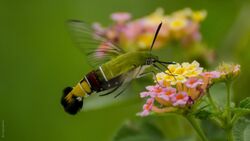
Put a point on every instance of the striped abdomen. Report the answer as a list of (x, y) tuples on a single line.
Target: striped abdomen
[(72, 99)]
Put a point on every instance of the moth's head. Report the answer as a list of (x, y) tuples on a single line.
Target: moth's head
[(71, 103), (151, 59)]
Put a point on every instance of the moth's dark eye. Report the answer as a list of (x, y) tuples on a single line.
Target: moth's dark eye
[(73, 104), (150, 61)]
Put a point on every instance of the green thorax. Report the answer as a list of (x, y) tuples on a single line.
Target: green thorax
[(124, 63)]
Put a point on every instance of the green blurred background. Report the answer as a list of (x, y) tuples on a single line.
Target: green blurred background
[(38, 59)]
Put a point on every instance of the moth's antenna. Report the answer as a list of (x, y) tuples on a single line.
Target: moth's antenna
[(156, 33)]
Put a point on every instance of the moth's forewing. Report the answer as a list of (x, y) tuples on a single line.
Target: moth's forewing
[(88, 41)]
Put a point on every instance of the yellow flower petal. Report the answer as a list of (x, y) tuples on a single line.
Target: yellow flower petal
[(172, 68), (177, 23), (145, 40), (199, 16), (160, 76), (156, 17), (180, 71)]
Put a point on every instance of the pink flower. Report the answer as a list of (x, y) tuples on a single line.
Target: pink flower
[(155, 90), (236, 68), (147, 107), (133, 29), (193, 82), (120, 17), (101, 50), (180, 99), (168, 92), (211, 74), (99, 30), (144, 94)]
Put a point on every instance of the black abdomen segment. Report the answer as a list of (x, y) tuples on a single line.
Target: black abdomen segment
[(98, 84), (93, 81)]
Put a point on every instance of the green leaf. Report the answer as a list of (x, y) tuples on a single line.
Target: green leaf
[(203, 114), (146, 130), (213, 132), (241, 130), (245, 103), (241, 111), (138, 138), (244, 107), (139, 131)]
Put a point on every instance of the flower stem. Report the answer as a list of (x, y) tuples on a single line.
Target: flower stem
[(229, 132), (216, 120), (228, 108), (197, 127), (212, 101), (228, 111)]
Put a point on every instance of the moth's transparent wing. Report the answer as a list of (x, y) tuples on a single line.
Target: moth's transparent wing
[(130, 76), (97, 48), (126, 94), (121, 82)]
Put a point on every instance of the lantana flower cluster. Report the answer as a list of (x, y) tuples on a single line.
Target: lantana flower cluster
[(228, 71), (179, 87), (137, 34)]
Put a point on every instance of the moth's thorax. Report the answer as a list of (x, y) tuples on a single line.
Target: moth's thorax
[(124, 63)]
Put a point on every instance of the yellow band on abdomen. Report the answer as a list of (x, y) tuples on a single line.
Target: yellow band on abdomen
[(82, 89)]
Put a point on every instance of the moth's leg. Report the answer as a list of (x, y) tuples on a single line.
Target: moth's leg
[(128, 80), (122, 90), (159, 68), (149, 73), (170, 73), (113, 90), (168, 63)]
